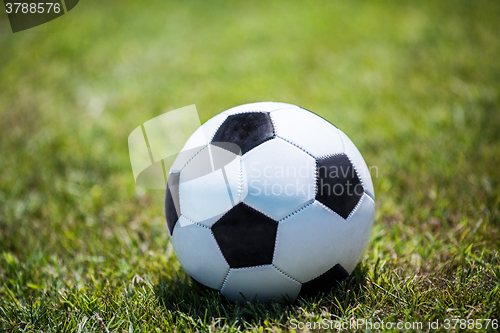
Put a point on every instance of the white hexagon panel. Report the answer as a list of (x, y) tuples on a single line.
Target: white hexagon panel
[(308, 131), (313, 240), (199, 253), (281, 178), (259, 283)]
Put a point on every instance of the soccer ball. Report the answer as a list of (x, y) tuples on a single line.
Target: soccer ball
[(268, 201)]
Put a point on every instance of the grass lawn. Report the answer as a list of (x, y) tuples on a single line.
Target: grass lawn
[(415, 85)]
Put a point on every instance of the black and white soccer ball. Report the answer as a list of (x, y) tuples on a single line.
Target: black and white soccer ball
[(268, 201)]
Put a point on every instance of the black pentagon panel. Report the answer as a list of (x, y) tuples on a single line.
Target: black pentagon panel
[(247, 130), (172, 201), (338, 185), (246, 237), (325, 282)]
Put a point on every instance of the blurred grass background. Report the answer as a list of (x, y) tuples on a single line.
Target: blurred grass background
[(416, 85)]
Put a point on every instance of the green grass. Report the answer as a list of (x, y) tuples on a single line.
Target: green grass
[(416, 85)]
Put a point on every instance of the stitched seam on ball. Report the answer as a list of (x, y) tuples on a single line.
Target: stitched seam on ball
[(266, 140), (222, 254), (223, 148), (316, 178), (275, 128), (216, 244), (243, 203), (179, 213), (193, 222), (222, 216), (185, 165), (217, 128), (232, 152), (288, 276), (356, 207), (243, 112), (225, 279), (246, 204), (353, 166), (357, 173), (329, 209), (293, 144), (283, 219), (240, 268), (342, 134), (240, 179), (180, 174), (250, 206), (297, 211), (252, 267), (324, 157), (276, 242)]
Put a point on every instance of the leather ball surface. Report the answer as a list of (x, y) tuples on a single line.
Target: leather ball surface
[(268, 201)]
